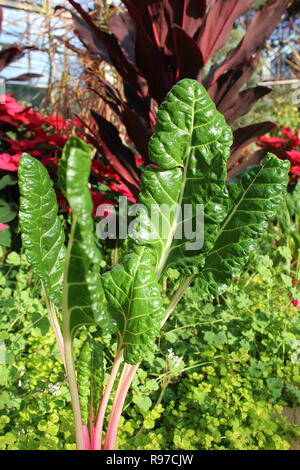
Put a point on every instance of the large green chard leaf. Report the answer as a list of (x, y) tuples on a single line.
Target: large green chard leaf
[(191, 146), (83, 295), (254, 196), (42, 233), (136, 302)]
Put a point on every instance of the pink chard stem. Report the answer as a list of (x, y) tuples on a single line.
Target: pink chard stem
[(97, 433), (124, 384), (86, 437)]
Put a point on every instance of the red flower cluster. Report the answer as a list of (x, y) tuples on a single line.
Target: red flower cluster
[(286, 147), (296, 303), (43, 138)]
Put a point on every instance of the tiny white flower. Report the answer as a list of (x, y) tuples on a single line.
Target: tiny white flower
[(171, 354)]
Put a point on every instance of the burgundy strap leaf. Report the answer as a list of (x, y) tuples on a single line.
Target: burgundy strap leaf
[(125, 68), (150, 58), (243, 102), (118, 155), (139, 129), (87, 36), (189, 57), (260, 28), (141, 105), (187, 14), (123, 27), (217, 25), (154, 18), (120, 169), (150, 19), (24, 77), (137, 132), (225, 91), (149, 48), (192, 16), (9, 55)]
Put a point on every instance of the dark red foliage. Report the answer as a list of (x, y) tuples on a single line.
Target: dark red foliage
[(153, 44)]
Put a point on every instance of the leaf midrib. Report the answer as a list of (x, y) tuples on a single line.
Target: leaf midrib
[(222, 229), (168, 245)]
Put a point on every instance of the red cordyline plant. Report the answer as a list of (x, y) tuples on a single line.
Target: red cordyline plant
[(154, 43)]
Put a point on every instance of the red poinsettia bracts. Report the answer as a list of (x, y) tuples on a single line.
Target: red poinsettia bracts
[(43, 138), (286, 147)]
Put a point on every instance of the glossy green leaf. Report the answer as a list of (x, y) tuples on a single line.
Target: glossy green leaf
[(42, 233), (191, 146), (83, 293), (254, 198), (136, 302), (90, 378)]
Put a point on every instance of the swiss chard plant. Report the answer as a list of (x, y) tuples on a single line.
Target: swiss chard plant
[(188, 154)]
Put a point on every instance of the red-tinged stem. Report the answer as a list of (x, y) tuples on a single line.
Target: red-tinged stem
[(97, 438), (86, 437), (92, 424), (124, 384)]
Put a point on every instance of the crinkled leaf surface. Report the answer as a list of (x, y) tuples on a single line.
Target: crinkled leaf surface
[(191, 146), (136, 302), (189, 150), (83, 295), (42, 233), (254, 198)]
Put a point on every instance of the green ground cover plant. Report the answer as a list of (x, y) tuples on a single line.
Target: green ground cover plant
[(235, 372)]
